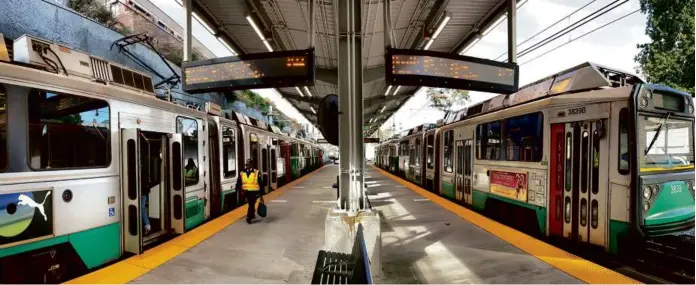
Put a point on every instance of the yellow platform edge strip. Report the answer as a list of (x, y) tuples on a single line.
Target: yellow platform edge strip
[(573, 265), (131, 268)]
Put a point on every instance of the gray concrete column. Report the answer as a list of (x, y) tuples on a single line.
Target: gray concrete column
[(344, 93), (311, 24), (188, 9)]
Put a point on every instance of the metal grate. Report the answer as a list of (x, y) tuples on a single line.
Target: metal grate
[(100, 69)]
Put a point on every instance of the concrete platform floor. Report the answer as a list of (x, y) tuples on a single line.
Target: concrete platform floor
[(421, 243)]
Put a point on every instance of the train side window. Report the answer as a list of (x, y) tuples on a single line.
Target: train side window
[(254, 150), (488, 144), (523, 137), (430, 152), (417, 155), (3, 128), (68, 131), (624, 161), (448, 140), (229, 152), (188, 128)]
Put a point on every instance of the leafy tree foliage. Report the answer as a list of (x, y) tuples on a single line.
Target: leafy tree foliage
[(444, 99), (669, 58), (95, 10)]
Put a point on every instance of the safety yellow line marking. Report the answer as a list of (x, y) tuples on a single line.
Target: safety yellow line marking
[(577, 267), (131, 268)]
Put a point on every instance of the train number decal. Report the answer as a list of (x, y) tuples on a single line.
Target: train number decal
[(577, 111), (674, 189)]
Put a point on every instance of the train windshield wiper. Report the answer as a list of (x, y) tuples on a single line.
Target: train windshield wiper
[(657, 133)]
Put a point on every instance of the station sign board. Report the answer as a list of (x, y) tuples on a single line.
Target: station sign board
[(250, 71), (437, 69)]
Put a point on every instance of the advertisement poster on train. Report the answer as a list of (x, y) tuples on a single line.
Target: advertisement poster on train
[(511, 185), (25, 215)]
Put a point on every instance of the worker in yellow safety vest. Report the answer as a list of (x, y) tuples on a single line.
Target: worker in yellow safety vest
[(251, 184)]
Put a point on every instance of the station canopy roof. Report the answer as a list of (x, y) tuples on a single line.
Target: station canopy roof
[(285, 24)]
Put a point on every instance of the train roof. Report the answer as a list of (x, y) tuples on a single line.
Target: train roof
[(584, 77)]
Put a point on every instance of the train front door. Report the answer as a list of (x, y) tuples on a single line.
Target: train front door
[(459, 171), (176, 183), (130, 190), (265, 166), (579, 155)]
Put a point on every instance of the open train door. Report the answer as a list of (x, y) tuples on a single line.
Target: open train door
[(274, 164), (176, 183), (130, 191)]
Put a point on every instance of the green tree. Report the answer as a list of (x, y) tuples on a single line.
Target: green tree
[(444, 99), (95, 10), (669, 57)]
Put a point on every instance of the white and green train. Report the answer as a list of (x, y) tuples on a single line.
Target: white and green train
[(87, 150)]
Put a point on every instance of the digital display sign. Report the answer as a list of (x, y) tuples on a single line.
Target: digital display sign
[(444, 70), (250, 71)]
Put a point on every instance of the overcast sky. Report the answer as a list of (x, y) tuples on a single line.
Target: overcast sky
[(613, 46)]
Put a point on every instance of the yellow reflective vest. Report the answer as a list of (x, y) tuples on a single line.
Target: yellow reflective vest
[(250, 182)]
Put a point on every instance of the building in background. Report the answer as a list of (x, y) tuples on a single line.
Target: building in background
[(142, 16)]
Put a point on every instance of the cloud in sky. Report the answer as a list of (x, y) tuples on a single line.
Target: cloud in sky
[(613, 46)]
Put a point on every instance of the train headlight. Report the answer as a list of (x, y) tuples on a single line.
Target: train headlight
[(655, 188), (646, 206), (647, 192), (690, 184), (691, 109), (644, 101)]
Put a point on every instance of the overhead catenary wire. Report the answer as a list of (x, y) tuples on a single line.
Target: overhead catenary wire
[(581, 36), (571, 27), (549, 27)]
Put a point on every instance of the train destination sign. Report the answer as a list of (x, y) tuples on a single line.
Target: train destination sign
[(250, 71), (437, 69)]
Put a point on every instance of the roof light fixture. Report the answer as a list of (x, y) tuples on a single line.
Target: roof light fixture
[(382, 111), (299, 91), (313, 111), (203, 23), (386, 93), (259, 33), (308, 93), (445, 19), (471, 44), (396, 90), (227, 46)]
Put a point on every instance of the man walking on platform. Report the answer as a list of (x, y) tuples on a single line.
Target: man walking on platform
[(252, 186)]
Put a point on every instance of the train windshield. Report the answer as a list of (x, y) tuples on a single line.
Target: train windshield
[(669, 147)]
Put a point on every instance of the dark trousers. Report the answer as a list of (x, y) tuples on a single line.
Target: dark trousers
[(251, 197)]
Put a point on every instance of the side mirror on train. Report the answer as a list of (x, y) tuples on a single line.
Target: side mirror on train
[(327, 116)]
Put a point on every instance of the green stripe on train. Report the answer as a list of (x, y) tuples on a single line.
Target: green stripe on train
[(480, 197), (94, 246), (195, 214), (447, 190), (617, 231)]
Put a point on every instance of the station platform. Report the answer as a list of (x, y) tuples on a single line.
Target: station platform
[(425, 239)]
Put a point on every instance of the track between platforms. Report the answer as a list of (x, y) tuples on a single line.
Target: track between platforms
[(573, 265), (131, 268)]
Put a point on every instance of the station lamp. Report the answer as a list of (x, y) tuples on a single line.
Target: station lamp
[(251, 21), (224, 43), (308, 93), (313, 111), (396, 90), (386, 93), (445, 19), (299, 91), (203, 23), (382, 111)]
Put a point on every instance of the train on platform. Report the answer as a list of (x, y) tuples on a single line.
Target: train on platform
[(590, 155), (87, 150)]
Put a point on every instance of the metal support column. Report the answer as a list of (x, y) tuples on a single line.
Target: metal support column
[(388, 39), (312, 29), (512, 31), (188, 9), (358, 158), (351, 144), (344, 89)]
